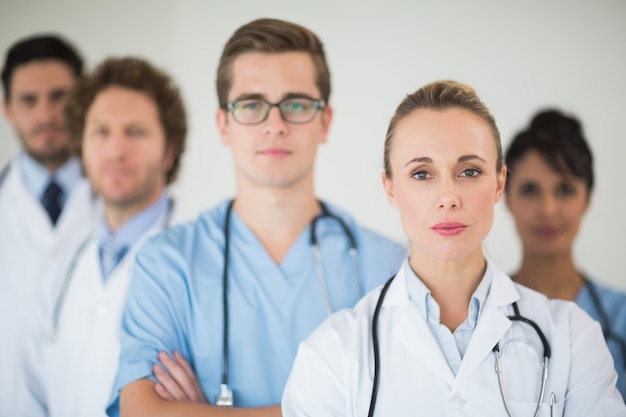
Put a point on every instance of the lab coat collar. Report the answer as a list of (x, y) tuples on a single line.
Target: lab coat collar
[(492, 325), (412, 329)]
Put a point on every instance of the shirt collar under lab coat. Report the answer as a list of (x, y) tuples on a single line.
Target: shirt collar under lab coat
[(428, 306), (502, 291), (36, 176), (136, 226), (490, 328)]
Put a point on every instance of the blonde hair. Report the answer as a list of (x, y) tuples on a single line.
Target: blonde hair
[(442, 95)]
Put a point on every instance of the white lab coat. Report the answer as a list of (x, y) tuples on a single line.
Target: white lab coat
[(73, 372), (333, 371), (27, 240)]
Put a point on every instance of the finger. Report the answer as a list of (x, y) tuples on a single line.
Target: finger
[(183, 363), (190, 383), (162, 392), (169, 383), (187, 383)]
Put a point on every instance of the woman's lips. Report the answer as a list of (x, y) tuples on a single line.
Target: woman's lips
[(449, 228)]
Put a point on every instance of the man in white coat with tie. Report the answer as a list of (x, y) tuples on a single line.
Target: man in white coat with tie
[(128, 121), (45, 203)]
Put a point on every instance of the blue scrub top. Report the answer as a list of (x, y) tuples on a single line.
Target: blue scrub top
[(614, 304), (175, 301)]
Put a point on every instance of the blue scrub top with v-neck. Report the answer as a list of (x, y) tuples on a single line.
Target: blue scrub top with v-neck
[(175, 301)]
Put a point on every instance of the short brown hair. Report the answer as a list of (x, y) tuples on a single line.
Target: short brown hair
[(442, 95), (135, 74), (271, 36), (39, 47)]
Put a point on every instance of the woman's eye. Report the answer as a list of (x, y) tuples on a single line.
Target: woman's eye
[(529, 190), (471, 172), (565, 189), (421, 175)]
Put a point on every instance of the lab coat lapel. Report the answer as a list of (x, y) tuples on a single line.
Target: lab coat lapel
[(36, 225), (412, 329), (491, 327)]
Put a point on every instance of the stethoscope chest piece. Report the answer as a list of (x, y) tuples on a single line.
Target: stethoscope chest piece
[(225, 397)]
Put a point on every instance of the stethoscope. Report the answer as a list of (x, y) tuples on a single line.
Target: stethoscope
[(496, 350), (225, 397), (605, 323), (60, 301), (4, 173)]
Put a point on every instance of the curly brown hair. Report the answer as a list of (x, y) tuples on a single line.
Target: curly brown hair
[(135, 74)]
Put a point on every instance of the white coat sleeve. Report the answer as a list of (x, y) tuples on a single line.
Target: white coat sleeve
[(315, 386), (592, 387)]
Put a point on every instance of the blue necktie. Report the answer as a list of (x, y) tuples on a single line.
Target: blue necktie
[(51, 200), (111, 253)]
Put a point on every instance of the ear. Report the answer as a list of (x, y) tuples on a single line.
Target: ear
[(6, 110), (168, 161), (221, 119), (388, 186), (327, 118), (588, 203), (501, 182)]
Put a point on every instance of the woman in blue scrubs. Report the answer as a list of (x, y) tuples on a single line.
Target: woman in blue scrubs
[(548, 192)]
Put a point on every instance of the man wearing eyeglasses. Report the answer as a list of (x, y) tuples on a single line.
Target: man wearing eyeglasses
[(217, 308)]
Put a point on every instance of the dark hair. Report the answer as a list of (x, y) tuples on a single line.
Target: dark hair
[(560, 141), (135, 74), (39, 48), (271, 36), (441, 95)]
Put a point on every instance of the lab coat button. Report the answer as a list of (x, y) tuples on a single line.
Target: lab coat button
[(102, 309), (457, 402)]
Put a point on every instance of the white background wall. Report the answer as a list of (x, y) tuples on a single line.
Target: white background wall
[(519, 56)]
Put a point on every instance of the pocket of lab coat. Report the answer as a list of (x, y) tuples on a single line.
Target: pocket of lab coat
[(526, 408)]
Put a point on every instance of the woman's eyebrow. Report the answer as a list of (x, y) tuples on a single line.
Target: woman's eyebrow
[(419, 159), (466, 158)]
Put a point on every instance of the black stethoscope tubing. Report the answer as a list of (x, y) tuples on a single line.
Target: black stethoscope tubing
[(4, 173), (516, 317), (225, 396)]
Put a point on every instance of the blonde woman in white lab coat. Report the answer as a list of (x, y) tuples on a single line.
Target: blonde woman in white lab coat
[(450, 318)]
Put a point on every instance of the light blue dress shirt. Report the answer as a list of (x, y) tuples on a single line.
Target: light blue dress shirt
[(175, 301), (136, 226), (614, 304), (453, 345), (36, 176)]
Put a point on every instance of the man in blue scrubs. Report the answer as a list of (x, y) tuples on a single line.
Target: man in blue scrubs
[(273, 87)]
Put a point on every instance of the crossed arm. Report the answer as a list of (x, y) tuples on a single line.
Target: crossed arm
[(178, 393)]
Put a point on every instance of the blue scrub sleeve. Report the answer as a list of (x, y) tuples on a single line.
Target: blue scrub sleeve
[(151, 322)]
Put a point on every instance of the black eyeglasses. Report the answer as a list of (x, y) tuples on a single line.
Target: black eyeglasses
[(252, 111)]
